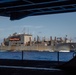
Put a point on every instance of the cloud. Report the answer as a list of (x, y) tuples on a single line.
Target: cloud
[(22, 26), (1, 29), (4, 29), (32, 26)]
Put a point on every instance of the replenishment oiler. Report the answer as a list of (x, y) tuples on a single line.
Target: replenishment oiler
[(19, 42)]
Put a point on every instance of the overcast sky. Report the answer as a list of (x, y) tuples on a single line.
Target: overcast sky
[(58, 25)]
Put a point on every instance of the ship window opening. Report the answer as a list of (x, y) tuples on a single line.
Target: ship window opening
[(21, 43)]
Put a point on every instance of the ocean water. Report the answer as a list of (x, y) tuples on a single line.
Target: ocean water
[(33, 55)]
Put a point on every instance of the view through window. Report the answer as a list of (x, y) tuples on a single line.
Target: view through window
[(44, 33)]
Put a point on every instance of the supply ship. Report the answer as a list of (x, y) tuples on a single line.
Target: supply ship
[(19, 42)]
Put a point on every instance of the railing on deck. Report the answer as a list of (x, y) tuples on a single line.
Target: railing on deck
[(30, 55)]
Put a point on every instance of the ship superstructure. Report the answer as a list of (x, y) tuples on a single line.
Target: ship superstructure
[(18, 39)]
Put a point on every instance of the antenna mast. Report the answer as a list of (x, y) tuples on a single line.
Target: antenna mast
[(24, 30)]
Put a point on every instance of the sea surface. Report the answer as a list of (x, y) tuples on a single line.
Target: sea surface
[(35, 55)]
